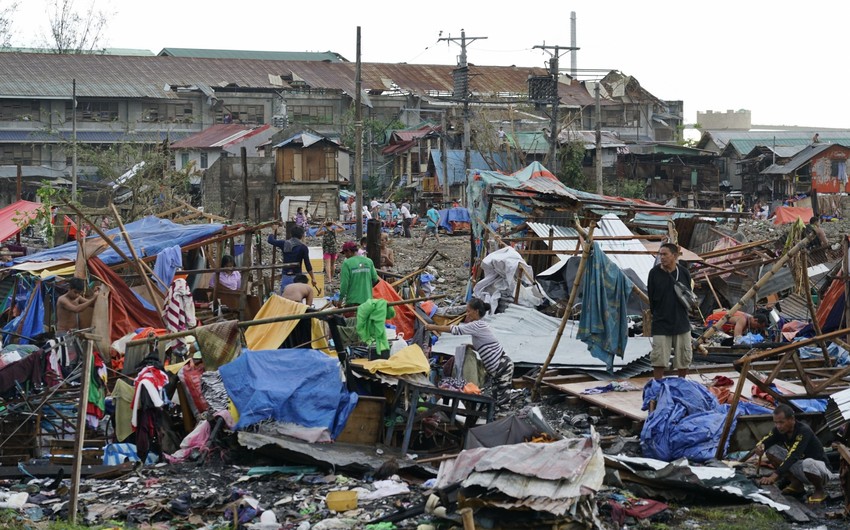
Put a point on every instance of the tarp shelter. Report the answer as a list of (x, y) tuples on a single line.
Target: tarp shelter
[(299, 386), (452, 219), (126, 311), (788, 214), (149, 235), (15, 217)]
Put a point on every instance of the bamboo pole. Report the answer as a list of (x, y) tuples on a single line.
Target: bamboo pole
[(730, 414), (811, 306), (588, 245), (752, 292), (140, 268), (283, 318), (79, 441)]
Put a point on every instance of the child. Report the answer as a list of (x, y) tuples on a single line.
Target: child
[(329, 245), (362, 250)]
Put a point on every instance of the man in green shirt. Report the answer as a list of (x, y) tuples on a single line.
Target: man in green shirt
[(356, 278)]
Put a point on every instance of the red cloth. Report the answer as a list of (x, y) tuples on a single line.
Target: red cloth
[(403, 320), (126, 312)]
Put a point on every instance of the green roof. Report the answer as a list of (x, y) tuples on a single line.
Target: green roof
[(328, 56), (746, 146)]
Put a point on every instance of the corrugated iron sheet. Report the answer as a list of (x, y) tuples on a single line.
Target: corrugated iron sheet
[(609, 225), (50, 75), (213, 136), (527, 336)]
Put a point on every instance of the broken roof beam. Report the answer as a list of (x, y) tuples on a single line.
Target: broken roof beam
[(736, 248), (754, 289)]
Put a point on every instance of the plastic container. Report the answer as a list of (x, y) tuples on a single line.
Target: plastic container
[(341, 501)]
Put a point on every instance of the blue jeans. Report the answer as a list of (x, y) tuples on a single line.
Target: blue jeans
[(286, 280)]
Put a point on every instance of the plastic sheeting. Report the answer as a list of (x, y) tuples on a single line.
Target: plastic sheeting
[(150, 236), (789, 214), (16, 216), (687, 420), (299, 386), (500, 275), (450, 216)]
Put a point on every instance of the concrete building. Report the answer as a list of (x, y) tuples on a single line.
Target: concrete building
[(739, 120)]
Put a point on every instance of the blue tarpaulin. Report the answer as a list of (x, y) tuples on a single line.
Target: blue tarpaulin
[(149, 236), (30, 323), (603, 324), (298, 385), (456, 215), (687, 420)]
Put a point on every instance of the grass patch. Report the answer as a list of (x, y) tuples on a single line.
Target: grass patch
[(749, 516)]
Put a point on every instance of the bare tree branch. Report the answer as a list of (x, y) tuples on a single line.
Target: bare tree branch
[(7, 11), (72, 31)]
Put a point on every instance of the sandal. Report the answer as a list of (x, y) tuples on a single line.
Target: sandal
[(791, 490), (815, 500)]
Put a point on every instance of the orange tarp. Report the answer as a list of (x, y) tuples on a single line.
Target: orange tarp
[(403, 320), (15, 217), (789, 214)]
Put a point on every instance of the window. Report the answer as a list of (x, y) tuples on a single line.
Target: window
[(93, 110), (249, 114), (331, 170), (311, 114), (204, 160), (171, 112), (26, 155), (184, 159), (839, 169), (20, 109)]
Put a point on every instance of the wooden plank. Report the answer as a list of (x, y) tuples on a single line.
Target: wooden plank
[(629, 403)]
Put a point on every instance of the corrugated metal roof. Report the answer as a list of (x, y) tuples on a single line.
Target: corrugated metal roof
[(609, 139), (252, 54), (218, 136), (102, 51), (799, 160), (609, 225), (745, 141), (49, 76), (527, 336)]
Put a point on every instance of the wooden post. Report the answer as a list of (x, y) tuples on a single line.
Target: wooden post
[(730, 414), (588, 245), (845, 272), (812, 311), (243, 153), (752, 292), (274, 258), (79, 441), (140, 268)]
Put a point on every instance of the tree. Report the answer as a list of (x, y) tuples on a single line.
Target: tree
[(571, 156), (72, 31), (7, 11)]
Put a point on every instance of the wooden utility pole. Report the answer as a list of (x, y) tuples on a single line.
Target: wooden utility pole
[(461, 85), (358, 146), (444, 154), (74, 140), (554, 100), (19, 190), (243, 152), (598, 159)]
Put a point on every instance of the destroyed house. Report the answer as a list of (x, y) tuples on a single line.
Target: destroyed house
[(820, 167)]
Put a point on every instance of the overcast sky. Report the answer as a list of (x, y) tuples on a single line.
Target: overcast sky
[(783, 60)]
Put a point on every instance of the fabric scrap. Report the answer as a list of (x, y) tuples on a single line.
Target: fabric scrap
[(219, 343)]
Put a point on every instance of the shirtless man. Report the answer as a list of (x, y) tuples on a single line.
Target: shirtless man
[(71, 304), (299, 290)]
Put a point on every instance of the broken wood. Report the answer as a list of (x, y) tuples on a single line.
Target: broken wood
[(79, 440), (752, 292), (730, 414), (155, 295)]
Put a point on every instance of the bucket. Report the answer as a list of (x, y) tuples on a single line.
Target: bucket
[(341, 501)]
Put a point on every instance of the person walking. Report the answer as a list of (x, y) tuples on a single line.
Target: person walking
[(432, 226), (671, 329), (330, 247), (406, 218)]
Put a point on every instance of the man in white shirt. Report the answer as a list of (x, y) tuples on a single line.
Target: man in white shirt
[(406, 218)]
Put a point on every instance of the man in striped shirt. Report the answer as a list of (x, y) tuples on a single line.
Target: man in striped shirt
[(498, 365)]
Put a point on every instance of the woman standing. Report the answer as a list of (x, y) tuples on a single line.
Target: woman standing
[(329, 245), (499, 366)]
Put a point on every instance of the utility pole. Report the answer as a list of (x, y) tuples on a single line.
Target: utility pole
[(74, 140), (598, 120), (358, 149), (555, 100), (461, 84)]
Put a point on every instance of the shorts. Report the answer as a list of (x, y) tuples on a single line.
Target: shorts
[(801, 468), (431, 230), (679, 344), (328, 256)]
